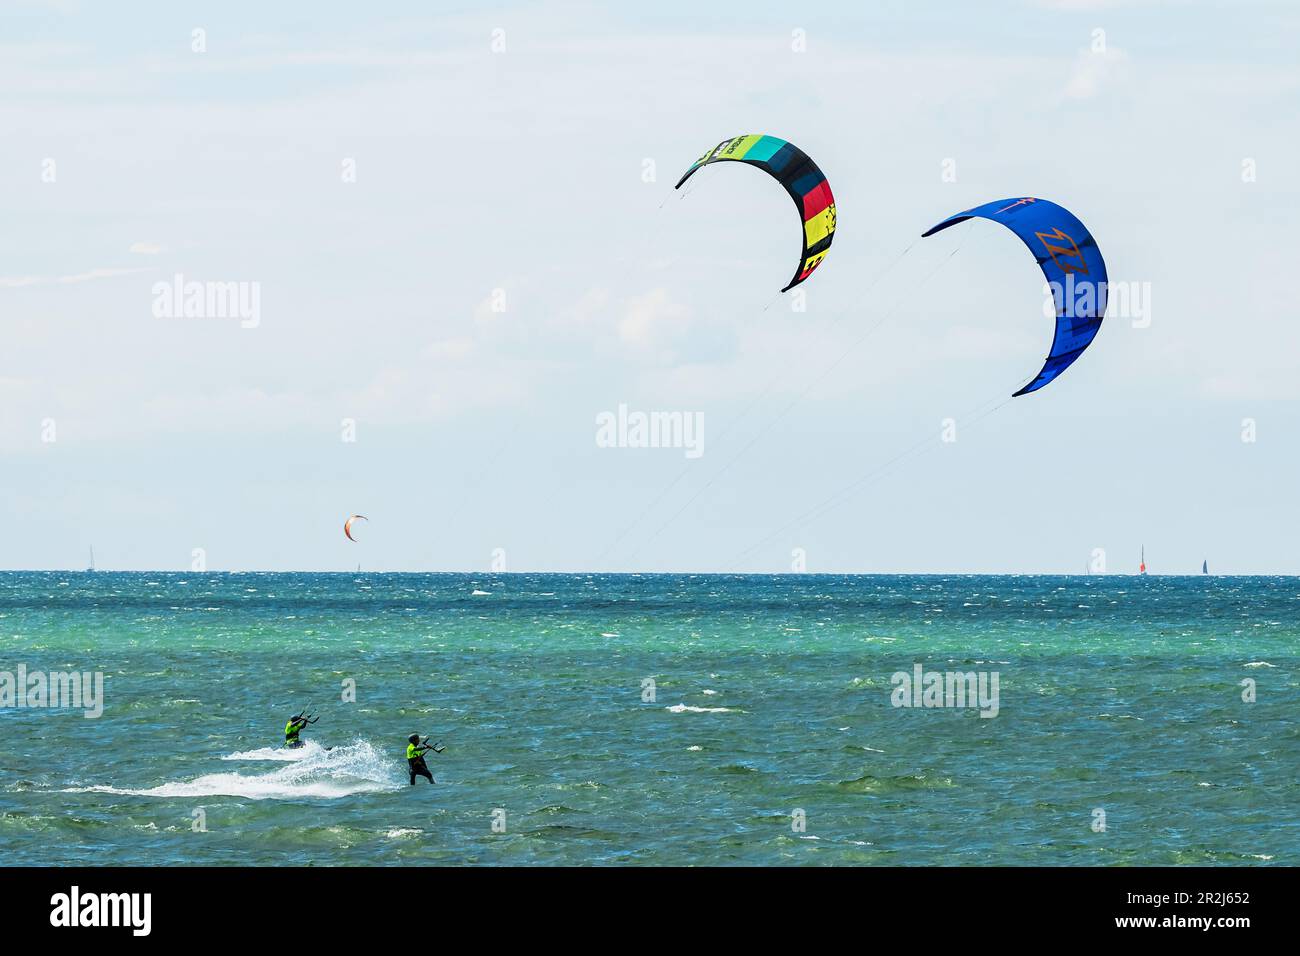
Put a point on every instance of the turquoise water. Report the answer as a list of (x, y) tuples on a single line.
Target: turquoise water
[(770, 695)]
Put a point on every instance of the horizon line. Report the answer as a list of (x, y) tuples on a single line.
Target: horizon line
[(767, 574)]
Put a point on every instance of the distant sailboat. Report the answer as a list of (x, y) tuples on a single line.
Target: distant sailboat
[(92, 558), (1205, 567), (1142, 567)]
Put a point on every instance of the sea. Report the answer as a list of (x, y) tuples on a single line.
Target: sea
[(668, 720)]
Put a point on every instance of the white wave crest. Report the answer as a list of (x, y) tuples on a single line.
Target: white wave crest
[(688, 709)]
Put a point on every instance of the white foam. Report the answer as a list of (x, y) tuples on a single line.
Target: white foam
[(688, 709), (341, 772), (284, 754)]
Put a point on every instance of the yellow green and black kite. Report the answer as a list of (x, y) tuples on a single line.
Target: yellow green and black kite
[(794, 170)]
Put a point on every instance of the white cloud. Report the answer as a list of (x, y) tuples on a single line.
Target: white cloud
[(98, 274), (654, 327), (1265, 385), (1077, 5), (15, 282), (1095, 71), (454, 349)]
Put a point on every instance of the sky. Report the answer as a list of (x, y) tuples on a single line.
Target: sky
[(458, 227)]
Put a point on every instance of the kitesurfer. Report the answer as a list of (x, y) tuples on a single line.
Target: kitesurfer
[(295, 727), (415, 751)]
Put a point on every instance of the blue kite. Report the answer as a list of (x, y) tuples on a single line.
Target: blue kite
[(1068, 255)]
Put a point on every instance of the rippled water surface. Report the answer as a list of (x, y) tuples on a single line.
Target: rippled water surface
[(655, 719)]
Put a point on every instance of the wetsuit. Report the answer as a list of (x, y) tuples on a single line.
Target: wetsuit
[(291, 731), (415, 763)]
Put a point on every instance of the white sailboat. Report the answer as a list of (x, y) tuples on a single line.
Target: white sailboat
[(92, 559)]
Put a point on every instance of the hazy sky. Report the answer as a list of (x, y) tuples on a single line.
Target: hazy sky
[(462, 230)]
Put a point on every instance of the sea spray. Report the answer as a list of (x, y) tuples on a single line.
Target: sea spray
[(325, 774), (280, 754)]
